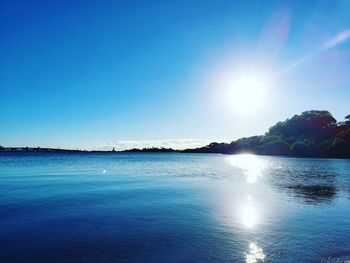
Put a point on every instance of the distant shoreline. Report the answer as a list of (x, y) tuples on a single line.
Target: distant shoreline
[(313, 134), (58, 150), (19, 150)]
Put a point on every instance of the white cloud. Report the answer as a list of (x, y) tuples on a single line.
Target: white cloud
[(178, 144)]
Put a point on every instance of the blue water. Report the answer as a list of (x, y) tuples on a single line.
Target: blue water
[(172, 208)]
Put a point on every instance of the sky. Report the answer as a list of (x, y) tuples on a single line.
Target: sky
[(124, 74)]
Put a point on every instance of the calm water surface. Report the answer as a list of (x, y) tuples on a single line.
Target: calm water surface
[(173, 208)]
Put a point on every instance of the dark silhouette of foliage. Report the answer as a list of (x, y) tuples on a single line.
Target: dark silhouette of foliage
[(309, 124), (311, 134), (275, 147), (145, 150), (347, 119)]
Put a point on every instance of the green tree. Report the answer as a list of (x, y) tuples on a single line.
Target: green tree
[(313, 125), (303, 148), (277, 147)]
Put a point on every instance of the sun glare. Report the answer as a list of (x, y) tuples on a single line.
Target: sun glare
[(255, 254), (247, 92), (249, 216), (251, 165)]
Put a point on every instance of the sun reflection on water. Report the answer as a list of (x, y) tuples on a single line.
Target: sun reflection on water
[(252, 167), (250, 164), (254, 254), (248, 216)]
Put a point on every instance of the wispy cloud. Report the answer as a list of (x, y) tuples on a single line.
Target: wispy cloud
[(178, 144), (341, 37), (338, 39)]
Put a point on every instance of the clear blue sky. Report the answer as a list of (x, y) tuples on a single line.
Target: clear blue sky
[(94, 74)]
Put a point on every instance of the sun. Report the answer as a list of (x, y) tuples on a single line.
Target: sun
[(247, 92)]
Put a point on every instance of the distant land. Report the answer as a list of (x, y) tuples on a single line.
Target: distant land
[(313, 133), (310, 134)]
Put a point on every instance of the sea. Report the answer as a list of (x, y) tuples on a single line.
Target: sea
[(173, 207)]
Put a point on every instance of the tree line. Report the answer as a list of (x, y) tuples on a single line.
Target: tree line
[(311, 134)]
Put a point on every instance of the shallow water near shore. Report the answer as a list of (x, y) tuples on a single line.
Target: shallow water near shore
[(172, 208)]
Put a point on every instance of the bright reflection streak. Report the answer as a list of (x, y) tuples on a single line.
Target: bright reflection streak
[(255, 253), (248, 214), (249, 163)]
